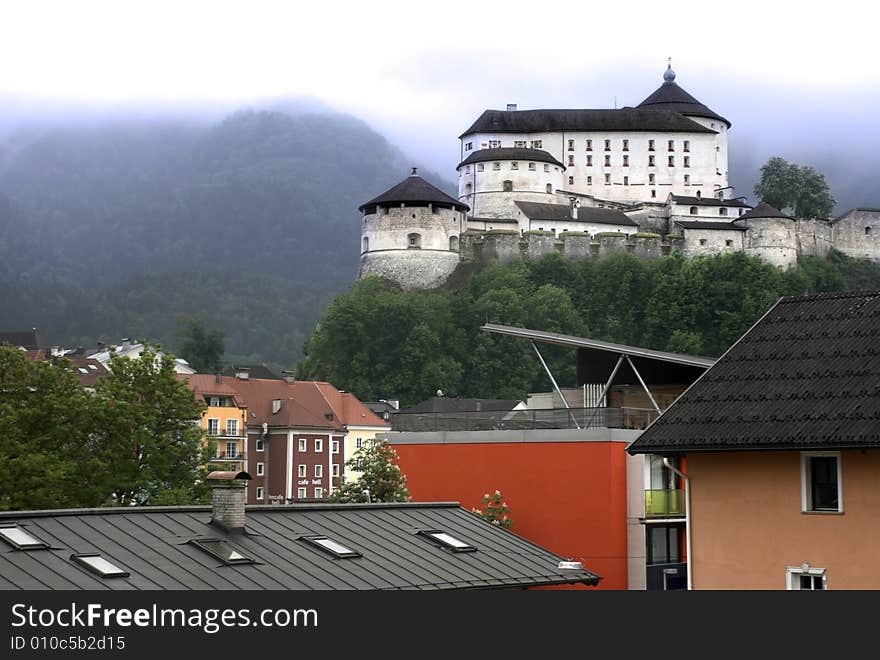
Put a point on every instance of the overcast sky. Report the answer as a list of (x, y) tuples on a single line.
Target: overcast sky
[(421, 72)]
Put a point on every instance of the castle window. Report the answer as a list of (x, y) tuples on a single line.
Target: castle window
[(494, 144), (607, 161), (687, 180), (571, 180), (651, 179), (867, 229), (740, 212), (702, 241), (687, 145), (549, 188), (507, 186), (571, 161), (589, 145), (468, 146), (722, 211), (626, 180), (694, 210), (607, 179), (453, 243), (519, 144), (496, 166), (514, 165), (672, 161), (414, 242), (728, 243), (480, 167), (571, 145), (651, 162), (546, 167), (653, 193), (589, 161), (699, 192), (607, 145), (650, 145), (589, 181), (625, 160), (467, 189), (537, 144), (626, 145), (467, 169), (532, 167), (687, 161), (671, 145), (366, 245)]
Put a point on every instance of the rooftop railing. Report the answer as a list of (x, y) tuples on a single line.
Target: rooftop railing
[(555, 418)]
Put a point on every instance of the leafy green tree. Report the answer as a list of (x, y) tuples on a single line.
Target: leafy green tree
[(201, 347), (800, 188), (46, 453), (149, 440), (380, 476)]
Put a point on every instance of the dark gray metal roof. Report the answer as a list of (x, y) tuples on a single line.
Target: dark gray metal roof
[(151, 544), (764, 210), (806, 376), (562, 212), (414, 189), (595, 344), (25, 338), (670, 97), (709, 224), (708, 201), (508, 153), (442, 404), (623, 119)]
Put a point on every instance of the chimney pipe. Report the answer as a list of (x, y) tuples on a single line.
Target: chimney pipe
[(228, 497), (288, 377), (218, 378), (126, 343)]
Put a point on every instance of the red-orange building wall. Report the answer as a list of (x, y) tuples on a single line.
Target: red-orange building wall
[(569, 497)]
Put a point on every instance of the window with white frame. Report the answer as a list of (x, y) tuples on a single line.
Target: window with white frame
[(301, 493), (214, 401), (607, 145), (537, 144), (651, 179), (259, 492), (589, 181), (589, 160), (806, 578), (334, 447), (213, 427), (722, 210), (546, 167), (259, 446), (626, 145), (260, 469), (480, 167), (570, 161), (319, 493), (607, 179), (468, 146), (589, 145), (607, 161), (319, 471), (821, 487), (571, 145), (336, 469), (494, 144), (231, 427), (626, 161), (519, 144), (301, 470), (302, 444), (319, 445), (358, 443)]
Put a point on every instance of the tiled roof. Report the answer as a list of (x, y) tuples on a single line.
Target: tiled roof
[(763, 210), (506, 153), (806, 376), (562, 212), (623, 119), (152, 545), (414, 189)]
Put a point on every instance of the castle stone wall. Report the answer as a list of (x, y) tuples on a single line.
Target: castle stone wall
[(576, 247), (857, 234), (706, 242), (813, 238), (411, 269), (774, 240)]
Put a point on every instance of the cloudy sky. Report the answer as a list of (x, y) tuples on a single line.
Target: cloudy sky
[(799, 79)]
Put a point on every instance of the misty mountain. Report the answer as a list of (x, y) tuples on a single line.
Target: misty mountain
[(114, 228)]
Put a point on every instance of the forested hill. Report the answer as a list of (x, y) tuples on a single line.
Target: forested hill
[(114, 229)]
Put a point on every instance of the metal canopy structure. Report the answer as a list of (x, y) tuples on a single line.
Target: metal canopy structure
[(596, 357)]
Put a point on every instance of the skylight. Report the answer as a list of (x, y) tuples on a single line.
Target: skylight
[(447, 540), (97, 564), (20, 539), (83, 371), (331, 546), (222, 550), (93, 367)]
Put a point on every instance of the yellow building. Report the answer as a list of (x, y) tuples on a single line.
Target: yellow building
[(224, 420)]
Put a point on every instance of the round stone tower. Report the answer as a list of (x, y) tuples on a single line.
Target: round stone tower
[(771, 235), (410, 234)]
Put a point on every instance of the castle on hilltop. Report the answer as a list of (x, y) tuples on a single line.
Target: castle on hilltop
[(646, 179)]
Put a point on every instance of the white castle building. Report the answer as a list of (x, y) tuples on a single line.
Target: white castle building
[(654, 177)]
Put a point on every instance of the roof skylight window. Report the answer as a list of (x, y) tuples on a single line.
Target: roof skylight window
[(20, 539), (83, 371), (331, 546), (223, 551), (447, 541), (98, 565)]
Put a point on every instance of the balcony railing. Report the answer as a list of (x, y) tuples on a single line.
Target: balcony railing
[(223, 434), (664, 503), (227, 456), (555, 418)]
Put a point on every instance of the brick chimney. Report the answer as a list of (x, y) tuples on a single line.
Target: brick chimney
[(228, 497), (218, 378)]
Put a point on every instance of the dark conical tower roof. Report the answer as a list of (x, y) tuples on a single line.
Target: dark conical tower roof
[(764, 210), (669, 96), (414, 189)]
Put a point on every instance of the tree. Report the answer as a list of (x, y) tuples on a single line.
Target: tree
[(202, 348), (149, 440), (380, 475), (46, 458), (496, 510), (802, 189)]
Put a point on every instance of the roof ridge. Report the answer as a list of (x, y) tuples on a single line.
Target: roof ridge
[(831, 295)]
